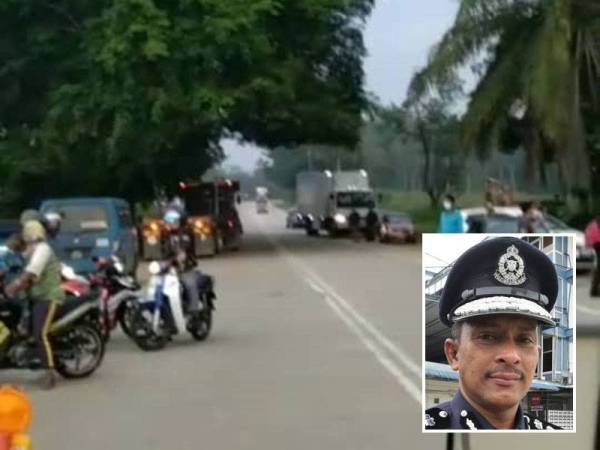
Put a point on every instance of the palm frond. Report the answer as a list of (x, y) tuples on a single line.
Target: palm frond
[(475, 31)]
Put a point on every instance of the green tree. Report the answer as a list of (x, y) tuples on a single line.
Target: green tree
[(538, 69), (119, 96)]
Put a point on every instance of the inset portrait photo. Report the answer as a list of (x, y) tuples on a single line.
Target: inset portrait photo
[(499, 332)]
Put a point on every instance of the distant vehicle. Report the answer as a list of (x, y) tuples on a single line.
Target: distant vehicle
[(294, 219), (94, 227), (326, 199), (262, 206), (506, 220), (396, 227), (262, 200)]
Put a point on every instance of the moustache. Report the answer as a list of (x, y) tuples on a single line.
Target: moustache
[(505, 370)]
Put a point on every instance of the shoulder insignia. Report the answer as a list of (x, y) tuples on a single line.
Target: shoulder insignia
[(437, 419), (533, 423)]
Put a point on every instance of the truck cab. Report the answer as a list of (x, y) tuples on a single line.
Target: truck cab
[(326, 199)]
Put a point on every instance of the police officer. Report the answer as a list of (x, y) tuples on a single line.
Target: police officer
[(496, 297)]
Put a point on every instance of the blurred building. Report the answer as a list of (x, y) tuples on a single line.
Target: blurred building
[(551, 394)]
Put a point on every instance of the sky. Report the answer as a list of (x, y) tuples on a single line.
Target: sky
[(440, 250), (398, 37)]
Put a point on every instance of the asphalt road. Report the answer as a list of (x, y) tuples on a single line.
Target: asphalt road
[(316, 344)]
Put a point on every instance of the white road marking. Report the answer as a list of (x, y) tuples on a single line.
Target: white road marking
[(587, 310), (409, 386), (373, 339)]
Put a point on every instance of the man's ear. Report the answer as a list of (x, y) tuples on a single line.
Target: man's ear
[(451, 351)]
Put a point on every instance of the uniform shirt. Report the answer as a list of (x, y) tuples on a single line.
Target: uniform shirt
[(44, 264), (458, 414)]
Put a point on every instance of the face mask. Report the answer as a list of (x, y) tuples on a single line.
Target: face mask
[(447, 205)]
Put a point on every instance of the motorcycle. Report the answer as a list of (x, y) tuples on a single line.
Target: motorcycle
[(75, 340), (164, 310), (118, 293)]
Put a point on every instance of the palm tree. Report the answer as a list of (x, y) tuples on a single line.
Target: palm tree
[(538, 73)]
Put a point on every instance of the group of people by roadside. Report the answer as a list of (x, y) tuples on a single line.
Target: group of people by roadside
[(371, 228), (452, 221)]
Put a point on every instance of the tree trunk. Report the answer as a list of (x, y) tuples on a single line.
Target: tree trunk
[(533, 150)]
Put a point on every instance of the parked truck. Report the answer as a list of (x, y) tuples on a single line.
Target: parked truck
[(326, 199)]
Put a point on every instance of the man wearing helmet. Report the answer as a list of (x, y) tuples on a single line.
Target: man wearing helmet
[(180, 249), (41, 278), (52, 222)]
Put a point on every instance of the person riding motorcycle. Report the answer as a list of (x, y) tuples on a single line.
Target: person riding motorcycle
[(52, 223), (180, 250), (41, 279)]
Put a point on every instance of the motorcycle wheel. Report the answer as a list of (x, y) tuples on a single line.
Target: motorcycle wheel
[(201, 326), (75, 344), (143, 334), (125, 316)]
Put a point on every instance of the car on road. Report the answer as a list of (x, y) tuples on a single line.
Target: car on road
[(396, 227), (506, 220)]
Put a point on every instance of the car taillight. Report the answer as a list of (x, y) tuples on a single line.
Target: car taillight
[(202, 227), (153, 229)]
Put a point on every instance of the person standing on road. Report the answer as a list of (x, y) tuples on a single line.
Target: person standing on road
[(42, 279), (592, 240), (496, 297), (532, 218), (451, 220), (354, 225), (372, 225)]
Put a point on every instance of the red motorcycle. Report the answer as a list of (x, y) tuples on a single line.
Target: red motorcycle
[(117, 291)]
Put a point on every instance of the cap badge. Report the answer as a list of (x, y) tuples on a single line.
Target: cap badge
[(511, 268)]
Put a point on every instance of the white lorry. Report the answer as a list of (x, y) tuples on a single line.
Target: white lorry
[(262, 200), (326, 199)]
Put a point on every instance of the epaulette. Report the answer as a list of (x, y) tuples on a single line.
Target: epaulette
[(533, 423), (437, 419)]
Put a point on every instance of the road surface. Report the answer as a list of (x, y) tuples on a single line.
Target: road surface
[(316, 345)]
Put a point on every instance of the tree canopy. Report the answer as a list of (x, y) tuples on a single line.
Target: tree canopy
[(114, 97)]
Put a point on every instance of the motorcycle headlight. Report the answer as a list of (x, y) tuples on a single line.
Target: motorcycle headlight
[(154, 268), (340, 218)]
